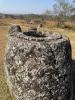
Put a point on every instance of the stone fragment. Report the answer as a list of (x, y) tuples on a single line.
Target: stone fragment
[(14, 28)]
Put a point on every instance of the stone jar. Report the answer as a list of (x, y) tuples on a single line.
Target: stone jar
[(38, 67)]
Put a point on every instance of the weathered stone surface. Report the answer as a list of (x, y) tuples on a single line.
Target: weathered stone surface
[(14, 28), (39, 68)]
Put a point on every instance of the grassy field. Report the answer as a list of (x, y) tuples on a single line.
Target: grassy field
[(4, 23)]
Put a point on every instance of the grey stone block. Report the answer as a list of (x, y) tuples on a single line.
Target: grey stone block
[(39, 68)]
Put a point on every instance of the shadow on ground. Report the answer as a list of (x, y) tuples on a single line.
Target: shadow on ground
[(73, 73)]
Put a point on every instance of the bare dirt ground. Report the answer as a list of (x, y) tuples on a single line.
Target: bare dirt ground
[(4, 23)]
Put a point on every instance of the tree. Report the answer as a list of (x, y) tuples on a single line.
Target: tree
[(47, 12), (73, 9), (62, 9)]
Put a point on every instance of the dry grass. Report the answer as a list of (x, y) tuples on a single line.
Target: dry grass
[(4, 92), (4, 23)]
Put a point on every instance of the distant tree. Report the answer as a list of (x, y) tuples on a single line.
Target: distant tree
[(73, 0), (62, 9), (73, 9), (47, 12)]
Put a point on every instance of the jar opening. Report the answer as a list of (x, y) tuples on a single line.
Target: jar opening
[(34, 34)]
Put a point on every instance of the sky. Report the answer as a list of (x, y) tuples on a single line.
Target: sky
[(25, 6)]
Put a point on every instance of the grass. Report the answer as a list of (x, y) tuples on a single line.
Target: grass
[(4, 23), (4, 91)]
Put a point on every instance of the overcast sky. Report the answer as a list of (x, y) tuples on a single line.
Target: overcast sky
[(25, 6)]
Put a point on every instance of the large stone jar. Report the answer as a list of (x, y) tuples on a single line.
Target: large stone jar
[(38, 67)]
